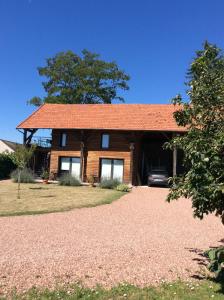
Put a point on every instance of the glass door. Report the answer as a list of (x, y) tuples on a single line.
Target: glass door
[(75, 167), (106, 168)]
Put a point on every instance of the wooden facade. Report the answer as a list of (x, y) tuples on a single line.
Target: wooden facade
[(128, 146), (86, 145)]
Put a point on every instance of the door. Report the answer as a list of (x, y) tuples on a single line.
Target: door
[(112, 169), (70, 165), (106, 168), (75, 167), (118, 168)]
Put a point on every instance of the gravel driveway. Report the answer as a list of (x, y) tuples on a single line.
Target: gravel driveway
[(139, 239)]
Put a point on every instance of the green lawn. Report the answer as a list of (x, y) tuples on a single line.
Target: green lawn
[(176, 291), (37, 198)]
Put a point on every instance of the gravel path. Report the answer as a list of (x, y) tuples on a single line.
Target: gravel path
[(139, 239)]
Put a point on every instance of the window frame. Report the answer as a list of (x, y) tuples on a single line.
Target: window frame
[(60, 172), (112, 167), (101, 141)]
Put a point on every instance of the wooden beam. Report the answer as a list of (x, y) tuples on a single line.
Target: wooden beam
[(174, 161), (82, 145), (174, 158), (83, 154), (24, 137), (132, 147), (27, 138)]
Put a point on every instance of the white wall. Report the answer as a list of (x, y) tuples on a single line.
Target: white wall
[(4, 147)]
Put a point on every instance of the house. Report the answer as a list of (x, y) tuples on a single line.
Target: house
[(121, 141), (7, 146)]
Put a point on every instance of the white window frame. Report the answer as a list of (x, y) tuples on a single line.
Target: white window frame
[(69, 160), (112, 160)]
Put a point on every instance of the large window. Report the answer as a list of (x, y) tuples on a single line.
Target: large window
[(70, 165), (105, 141), (112, 169), (63, 139)]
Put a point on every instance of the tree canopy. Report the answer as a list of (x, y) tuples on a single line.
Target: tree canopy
[(203, 145), (74, 79)]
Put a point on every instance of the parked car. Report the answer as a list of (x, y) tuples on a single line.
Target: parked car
[(158, 177)]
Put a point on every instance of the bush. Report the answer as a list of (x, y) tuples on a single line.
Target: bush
[(69, 180), (123, 188), (6, 165), (216, 265), (45, 175), (109, 183), (25, 177)]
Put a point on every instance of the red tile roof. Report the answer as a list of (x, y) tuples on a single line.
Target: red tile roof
[(154, 117)]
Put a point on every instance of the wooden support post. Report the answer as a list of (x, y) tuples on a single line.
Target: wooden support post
[(82, 145), (27, 139), (174, 158), (174, 161), (24, 137), (132, 147)]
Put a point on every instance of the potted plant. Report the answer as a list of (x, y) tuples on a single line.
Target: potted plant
[(45, 176)]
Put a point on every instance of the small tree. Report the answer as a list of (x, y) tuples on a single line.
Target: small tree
[(203, 144), (21, 157)]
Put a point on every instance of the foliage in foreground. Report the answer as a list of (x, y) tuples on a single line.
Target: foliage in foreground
[(203, 144), (178, 290), (26, 176), (69, 180), (73, 79), (109, 183), (6, 164), (216, 265)]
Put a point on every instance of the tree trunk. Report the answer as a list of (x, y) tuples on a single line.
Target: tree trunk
[(19, 179)]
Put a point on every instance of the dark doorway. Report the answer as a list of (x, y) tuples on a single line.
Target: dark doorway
[(154, 156)]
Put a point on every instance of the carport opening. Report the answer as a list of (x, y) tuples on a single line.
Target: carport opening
[(154, 156)]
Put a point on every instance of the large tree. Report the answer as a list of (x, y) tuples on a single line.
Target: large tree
[(81, 79), (203, 145)]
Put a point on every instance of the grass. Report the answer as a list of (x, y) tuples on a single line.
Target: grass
[(179, 290), (39, 198)]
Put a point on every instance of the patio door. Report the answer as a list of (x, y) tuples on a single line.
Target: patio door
[(70, 165), (75, 167), (112, 169)]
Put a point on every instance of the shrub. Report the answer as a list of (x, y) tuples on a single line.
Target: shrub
[(45, 175), (25, 177), (123, 188), (6, 165), (216, 265), (69, 180), (109, 183)]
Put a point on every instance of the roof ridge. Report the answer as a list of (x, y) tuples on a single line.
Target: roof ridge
[(107, 104)]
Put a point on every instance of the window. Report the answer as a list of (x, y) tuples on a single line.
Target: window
[(63, 139), (112, 169), (105, 140), (70, 165)]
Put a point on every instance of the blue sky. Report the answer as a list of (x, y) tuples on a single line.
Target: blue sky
[(152, 40)]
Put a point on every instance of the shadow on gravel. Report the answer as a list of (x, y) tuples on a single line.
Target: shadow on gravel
[(203, 261)]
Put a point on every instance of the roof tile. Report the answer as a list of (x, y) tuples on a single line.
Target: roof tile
[(154, 117)]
